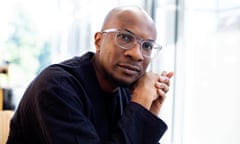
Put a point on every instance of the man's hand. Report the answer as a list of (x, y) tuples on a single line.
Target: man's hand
[(162, 86), (150, 90)]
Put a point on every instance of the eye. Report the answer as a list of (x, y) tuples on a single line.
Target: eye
[(147, 45), (125, 37)]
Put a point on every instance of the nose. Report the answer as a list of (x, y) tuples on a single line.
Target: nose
[(135, 53)]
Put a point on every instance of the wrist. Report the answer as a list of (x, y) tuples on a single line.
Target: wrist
[(145, 101)]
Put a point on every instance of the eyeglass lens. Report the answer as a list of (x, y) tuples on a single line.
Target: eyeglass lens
[(127, 40)]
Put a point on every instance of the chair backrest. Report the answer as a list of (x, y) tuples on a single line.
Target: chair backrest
[(5, 117)]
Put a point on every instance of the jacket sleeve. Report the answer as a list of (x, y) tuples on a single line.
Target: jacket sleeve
[(140, 126)]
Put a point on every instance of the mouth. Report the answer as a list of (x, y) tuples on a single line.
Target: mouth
[(129, 69)]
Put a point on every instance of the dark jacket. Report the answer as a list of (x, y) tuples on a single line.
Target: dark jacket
[(65, 105)]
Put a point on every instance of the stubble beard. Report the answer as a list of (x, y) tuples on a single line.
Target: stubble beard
[(116, 81)]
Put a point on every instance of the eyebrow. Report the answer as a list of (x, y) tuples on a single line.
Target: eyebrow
[(151, 40)]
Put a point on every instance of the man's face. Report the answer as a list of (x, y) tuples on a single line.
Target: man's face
[(124, 66)]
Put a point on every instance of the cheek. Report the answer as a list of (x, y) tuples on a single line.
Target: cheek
[(106, 53), (110, 53), (108, 57)]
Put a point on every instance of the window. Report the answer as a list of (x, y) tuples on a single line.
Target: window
[(35, 34), (207, 67)]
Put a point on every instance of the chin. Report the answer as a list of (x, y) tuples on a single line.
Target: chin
[(124, 83), (122, 80)]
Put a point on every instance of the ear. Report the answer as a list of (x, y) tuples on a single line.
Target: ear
[(98, 41)]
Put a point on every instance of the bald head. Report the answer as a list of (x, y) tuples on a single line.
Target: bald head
[(132, 18)]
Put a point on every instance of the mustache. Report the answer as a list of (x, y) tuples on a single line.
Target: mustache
[(131, 65)]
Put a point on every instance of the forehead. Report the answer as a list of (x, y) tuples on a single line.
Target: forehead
[(135, 21)]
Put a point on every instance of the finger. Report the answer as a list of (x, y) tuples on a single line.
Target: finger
[(162, 86), (164, 79), (164, 73), (165, 88), (170, 75), (161, 99), (161, 94)]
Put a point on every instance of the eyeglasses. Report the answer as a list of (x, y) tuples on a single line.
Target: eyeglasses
[(127, 40)]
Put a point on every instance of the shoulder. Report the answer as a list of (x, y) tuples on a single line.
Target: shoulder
[(67, 69)]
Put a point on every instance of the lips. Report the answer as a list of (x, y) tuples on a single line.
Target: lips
[(130, 68)]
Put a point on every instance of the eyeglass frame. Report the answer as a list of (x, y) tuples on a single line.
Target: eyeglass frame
[(138, 40)]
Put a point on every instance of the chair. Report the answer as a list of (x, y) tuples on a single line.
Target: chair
[(5, 117)]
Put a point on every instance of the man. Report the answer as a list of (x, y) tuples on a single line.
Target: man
[(105, 97)]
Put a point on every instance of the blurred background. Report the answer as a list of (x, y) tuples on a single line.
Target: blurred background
[(201, 42)]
